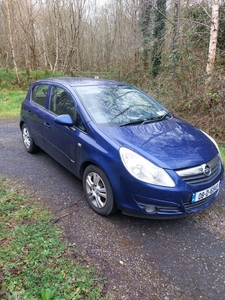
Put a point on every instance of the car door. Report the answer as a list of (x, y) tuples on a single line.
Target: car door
[(62, 142), (36, 112)]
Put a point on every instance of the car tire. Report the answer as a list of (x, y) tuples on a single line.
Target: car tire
[(98, 191), (28, 141)]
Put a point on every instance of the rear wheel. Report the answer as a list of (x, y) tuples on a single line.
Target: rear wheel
[(98, 191), (28, 141)]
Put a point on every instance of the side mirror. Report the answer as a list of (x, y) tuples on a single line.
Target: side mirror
[(65, 120)]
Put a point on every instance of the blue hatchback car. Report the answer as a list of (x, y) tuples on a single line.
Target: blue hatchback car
[(131, 153)]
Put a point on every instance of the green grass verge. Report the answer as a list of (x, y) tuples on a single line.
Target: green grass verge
[(10, 103), (12, 94), (8, 79), (35, 263), (222, 151)]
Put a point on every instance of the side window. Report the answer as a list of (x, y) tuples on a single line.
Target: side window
[(39, 94), (61, 103)]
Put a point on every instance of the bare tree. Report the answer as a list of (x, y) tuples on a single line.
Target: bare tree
[(213, 37), (176, 23), (120, 34), (26, 19), (10, 37)]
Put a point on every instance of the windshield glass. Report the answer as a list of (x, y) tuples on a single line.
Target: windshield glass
[(119, 105)]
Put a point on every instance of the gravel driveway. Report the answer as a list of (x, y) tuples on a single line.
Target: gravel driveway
[(142, 259)]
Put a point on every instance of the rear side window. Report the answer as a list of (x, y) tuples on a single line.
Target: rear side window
[(39, 94)]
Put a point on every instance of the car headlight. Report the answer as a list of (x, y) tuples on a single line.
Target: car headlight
[(144, 170)]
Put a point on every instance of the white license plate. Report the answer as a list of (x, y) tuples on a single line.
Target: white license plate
[(205, 193)]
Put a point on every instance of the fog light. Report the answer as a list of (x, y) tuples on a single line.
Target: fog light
[(150, 209)]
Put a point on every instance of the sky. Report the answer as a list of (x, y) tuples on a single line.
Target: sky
[(100, 2)]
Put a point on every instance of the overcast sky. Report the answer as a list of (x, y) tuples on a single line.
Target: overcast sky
[(100, 2)]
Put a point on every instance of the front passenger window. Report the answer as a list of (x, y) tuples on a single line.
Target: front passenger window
[(61, 103)]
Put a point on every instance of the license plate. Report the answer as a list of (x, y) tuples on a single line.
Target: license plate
[(205, 193)]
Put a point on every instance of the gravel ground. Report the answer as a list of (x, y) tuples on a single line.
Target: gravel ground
[(142, 259)]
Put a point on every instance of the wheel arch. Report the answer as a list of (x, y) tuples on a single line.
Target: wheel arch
[(111, 204), (21, 124), (85, 164)]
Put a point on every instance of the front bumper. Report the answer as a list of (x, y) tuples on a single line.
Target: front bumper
[(175, 204)]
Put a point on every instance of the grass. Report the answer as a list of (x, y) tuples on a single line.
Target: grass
[(11, 103), (35, 263), (222, 151), (9, 81), (12, 94)]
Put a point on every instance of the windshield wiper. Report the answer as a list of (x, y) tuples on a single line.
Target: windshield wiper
[(157, 119), (136, 122), (167, 114), (133, 106), (146, 121)]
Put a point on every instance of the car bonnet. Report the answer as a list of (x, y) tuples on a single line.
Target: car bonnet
[(171, 144)]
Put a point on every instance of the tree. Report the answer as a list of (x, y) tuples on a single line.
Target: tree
[(213, 37), (152, 24), (176, 23), (158, 35), (221, 35), (146, 24), (26, 18), (10, 37)]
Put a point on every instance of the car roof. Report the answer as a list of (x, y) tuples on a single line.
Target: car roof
[(79, 81)]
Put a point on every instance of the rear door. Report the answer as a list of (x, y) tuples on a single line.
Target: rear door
[(36, 112)]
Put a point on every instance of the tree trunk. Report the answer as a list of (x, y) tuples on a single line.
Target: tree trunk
[(11, 42), (146, 23), (213, 37), (176, 23), (158, 35)]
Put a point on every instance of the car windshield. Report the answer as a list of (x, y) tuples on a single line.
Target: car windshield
[(119, 105)]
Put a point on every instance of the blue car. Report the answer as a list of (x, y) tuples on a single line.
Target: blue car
[(130, 152)]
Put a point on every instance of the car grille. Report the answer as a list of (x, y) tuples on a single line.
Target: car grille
[(197, 175), (190, 206), (168, 209)]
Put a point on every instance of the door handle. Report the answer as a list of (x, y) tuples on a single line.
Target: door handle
[(29, 112), (47, 125)]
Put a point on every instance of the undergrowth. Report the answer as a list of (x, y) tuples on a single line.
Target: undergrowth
[(8, 79), (35, 262)]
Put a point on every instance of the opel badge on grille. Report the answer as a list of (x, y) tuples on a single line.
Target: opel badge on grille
[(206, 170)]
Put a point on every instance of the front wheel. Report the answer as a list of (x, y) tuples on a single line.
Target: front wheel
[(98, 191), (28, 141)]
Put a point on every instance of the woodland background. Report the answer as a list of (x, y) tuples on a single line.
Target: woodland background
[(160, 46)]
